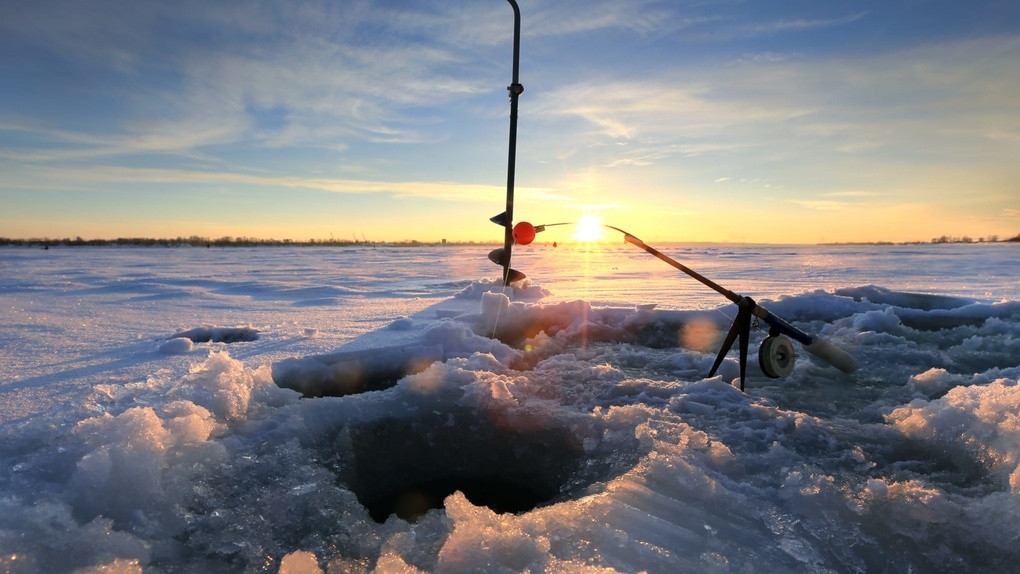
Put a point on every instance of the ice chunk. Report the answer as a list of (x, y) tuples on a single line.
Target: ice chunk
[(177, 346), (353, 372), (300, 562)]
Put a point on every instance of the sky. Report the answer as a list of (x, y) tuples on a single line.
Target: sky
[(738, 121)]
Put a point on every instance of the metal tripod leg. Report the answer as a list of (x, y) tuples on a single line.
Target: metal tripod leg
[(741, 329)]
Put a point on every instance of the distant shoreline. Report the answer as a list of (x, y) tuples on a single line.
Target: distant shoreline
[(253, 242), (936, 241), (226, 242)]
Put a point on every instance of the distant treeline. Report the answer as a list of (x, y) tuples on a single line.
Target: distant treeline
[(936, 241), (196, 241), (965, 239)]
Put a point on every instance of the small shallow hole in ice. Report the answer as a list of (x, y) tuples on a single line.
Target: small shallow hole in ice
[(218, 335), (407, 467)]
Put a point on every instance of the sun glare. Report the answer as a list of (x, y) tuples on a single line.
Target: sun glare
[(589, 228)]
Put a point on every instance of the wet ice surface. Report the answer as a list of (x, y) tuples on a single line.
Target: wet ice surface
[(142, 428)]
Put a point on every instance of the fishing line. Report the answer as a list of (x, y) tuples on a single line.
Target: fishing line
[(499, 311), (776, 352)]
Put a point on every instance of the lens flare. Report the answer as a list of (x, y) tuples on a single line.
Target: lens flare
[(589, 228)]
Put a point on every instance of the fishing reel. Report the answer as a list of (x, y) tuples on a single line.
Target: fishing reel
[(776, 356)]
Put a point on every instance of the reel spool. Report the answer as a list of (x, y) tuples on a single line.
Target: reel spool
[(776, 356)]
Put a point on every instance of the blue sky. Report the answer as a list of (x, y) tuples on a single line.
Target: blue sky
[(757, 121)]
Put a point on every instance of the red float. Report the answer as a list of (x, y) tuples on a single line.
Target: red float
[(524, 233)]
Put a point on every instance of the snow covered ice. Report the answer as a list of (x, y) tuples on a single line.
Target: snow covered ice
[(149, 420)]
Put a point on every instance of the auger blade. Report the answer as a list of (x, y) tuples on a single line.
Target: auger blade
[(514, 276), (498, 256), (502, 219)]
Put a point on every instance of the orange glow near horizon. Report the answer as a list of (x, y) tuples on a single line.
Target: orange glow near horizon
[(589, 228)]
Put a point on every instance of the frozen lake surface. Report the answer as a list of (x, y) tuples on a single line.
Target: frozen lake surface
[(146, 428)]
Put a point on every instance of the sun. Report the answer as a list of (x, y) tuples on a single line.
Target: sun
[(589, 228)]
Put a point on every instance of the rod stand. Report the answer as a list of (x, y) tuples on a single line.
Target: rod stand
[(739, 330)]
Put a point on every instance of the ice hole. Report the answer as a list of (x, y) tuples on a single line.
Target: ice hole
[(407, 467), (218, 335)]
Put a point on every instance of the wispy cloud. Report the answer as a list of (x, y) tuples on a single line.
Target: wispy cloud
[(941, 100), (451, 191), (53, 145), (596, 207), (852, 194), (337, 82), (801, 24), (668, 104), (643, 17), (102, 34), (821, 204)]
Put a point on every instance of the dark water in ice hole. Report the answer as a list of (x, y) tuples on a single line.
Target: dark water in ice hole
[(409, 466)]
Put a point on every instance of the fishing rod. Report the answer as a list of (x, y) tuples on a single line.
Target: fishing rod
[(776, 355)]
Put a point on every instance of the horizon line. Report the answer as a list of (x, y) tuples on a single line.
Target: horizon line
[(242, 241)]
